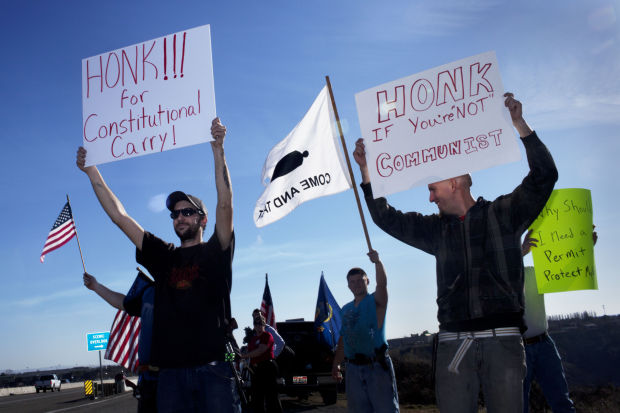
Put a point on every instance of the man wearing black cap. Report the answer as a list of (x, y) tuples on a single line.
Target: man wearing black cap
[(192, 290)]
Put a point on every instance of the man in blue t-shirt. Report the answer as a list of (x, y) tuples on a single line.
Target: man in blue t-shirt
[(370, 384), (138, 303)]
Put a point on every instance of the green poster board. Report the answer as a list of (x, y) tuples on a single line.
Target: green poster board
[(564, 257)]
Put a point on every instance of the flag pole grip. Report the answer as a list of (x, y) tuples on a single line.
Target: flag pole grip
[(346, 155)]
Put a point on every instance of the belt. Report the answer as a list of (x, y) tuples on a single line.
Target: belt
[(468, 338), (535, 339), (493, 332), (361, 359), (147, 367)]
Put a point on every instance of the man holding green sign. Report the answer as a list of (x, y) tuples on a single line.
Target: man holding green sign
[(543, 359)]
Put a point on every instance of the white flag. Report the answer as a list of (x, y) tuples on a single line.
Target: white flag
[(307, 164)]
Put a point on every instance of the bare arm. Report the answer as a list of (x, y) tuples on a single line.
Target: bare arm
[(110, 203), (516, 114), (359, 154), (224, 209), (381, 294), (257, 351), (338, 358), (111, 297)]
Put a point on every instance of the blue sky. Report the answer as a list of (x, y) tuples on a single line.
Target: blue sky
[(560, 58)]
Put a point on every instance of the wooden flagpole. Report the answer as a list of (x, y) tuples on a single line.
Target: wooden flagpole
[(346, 155), (76, 235)]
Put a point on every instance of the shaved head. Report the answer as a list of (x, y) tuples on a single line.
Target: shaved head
[(464, 181), (452, 196)]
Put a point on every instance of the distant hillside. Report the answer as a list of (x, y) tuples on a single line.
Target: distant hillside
[(589, 346)]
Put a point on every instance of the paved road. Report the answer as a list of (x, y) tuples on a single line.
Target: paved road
[(73, 401), (69, 400)]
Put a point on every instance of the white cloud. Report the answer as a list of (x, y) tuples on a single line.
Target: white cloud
[(34, 301), (604, 46), (395, 22), (157, 203), (442, 19), (567, 90), (255, 260), (602, 18), (260, 257)]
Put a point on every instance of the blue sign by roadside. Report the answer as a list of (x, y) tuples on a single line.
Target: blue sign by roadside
[(97, 341)]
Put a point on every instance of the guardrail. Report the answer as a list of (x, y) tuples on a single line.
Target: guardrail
[(10, 391)]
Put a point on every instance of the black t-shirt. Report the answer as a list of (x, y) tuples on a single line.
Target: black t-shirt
[(192, 300)]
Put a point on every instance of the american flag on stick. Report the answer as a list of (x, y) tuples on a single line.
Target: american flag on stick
[(62, 231), (123, 341), (266, 306)]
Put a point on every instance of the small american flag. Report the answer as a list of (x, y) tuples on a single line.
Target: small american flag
[(266, 306), (61, 233), (123, 341)]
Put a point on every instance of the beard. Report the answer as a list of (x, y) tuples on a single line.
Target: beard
[(189, 232)]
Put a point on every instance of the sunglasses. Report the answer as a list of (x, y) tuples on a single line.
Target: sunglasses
[(186, 212)]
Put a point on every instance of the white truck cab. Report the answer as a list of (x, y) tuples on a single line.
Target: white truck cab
[(47, 381)]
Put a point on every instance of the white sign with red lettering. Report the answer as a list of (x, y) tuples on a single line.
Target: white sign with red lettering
[(149, 97), (437, 124)]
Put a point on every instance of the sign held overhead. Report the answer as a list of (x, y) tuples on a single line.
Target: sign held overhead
[(564, 256), (437, 124), (149, 97)]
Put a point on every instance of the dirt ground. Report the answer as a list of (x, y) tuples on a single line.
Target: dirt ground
[(314, 403), (600, 400)]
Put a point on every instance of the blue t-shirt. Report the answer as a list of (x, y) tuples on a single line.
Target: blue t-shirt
[(359, 330)]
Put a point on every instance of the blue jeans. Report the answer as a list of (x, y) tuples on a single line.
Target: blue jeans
[(545, 365), (208, 388), (371, 388), (265, 388), (147, 387), (495, 363)]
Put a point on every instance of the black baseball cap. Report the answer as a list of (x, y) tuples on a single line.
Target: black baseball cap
[(177, 196)]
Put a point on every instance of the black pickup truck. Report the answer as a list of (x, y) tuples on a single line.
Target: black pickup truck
[(309, 368)]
